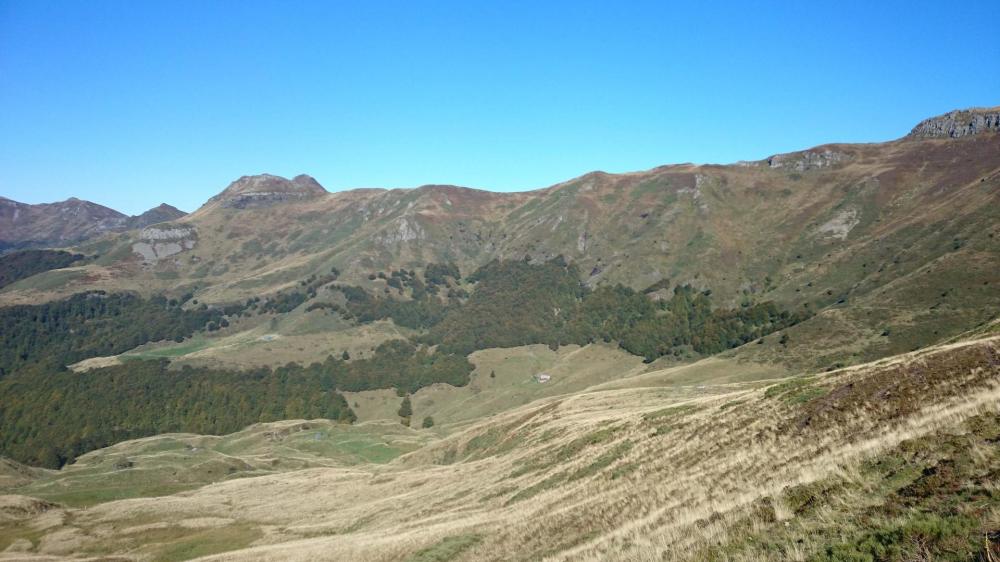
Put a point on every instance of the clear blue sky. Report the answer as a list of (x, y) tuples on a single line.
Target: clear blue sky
[(133, 103)]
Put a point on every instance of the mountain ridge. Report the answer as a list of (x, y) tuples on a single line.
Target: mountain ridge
[(71, 221), (811, 229), (954, 124), (266, 189)]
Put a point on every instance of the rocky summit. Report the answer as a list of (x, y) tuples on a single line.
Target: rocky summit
[(267, 189), (959, 123)]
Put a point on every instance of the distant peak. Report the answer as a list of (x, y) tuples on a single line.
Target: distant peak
[(267, 189), (272, 183), (165, 210), (959, 123), (77, 205), (305, 178), (159, 213)]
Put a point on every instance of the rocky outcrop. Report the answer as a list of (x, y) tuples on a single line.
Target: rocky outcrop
[(958, 124), (158, 242), (403, 229), (841, 224), (807, 160), (265, 189)]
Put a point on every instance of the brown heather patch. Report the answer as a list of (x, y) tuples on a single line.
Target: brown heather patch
[(903, 388)]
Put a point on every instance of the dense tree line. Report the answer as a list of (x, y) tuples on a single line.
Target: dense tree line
[(50, 418), (284, 302), (95, 324), (25, 263), (514, 303), (396, 364), (688, 320), (518, 303), (421, 312)]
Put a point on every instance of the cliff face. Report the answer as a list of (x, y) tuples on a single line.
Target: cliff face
[(158, 242), (807, 160), (962, 123)]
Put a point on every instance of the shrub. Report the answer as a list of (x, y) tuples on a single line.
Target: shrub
[(405, 409)]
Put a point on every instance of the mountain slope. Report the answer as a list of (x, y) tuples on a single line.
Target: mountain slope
[(792, 217), (896, 242), (62, 223), (68, 222)]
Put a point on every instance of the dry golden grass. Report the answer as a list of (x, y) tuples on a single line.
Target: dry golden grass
[(297, 337), (618, 474)]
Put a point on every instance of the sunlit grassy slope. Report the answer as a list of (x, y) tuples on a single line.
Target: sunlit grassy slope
[(895, 456), (170, 463)]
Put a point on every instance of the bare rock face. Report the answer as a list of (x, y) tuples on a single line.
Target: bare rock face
[(265, 189), (957, 124), (158, 242), (841, 224), (403, 229), (807, 160)]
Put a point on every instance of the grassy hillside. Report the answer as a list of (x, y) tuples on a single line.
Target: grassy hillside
[(174, 462), (885, 461)]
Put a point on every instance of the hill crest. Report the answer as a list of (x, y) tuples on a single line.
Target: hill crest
[(960, 123), (267, 189), (63, 223)]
